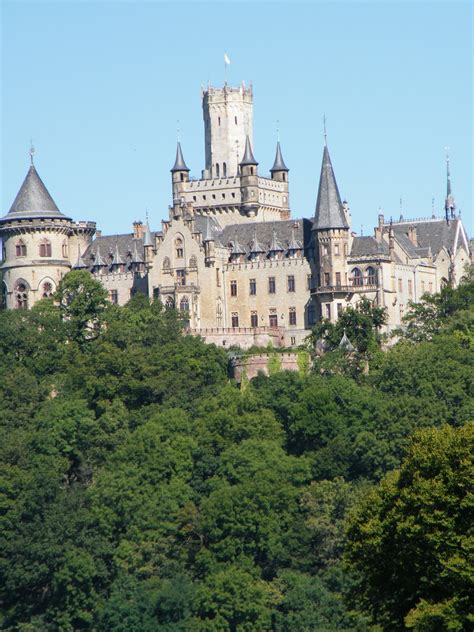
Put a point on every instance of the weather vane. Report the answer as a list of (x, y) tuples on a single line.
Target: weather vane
[(278, 130), (324, 128), (177, 130), (32, 151)]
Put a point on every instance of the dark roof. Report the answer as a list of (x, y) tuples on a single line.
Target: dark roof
[(208, 226), (264, 231), (179, 164), (279, 164), (127, 246), (367, 245), (33, 200), (249, 158), (434, 234), (329, 210)]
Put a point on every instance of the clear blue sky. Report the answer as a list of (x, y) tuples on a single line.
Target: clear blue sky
[(99, 87)]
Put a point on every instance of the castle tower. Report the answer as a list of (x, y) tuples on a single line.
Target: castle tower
[(179, 175), (331, 236), (35, 236), (228, 121), (249, 181)]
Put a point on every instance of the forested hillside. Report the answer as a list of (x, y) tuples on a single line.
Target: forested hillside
[(141, 490)]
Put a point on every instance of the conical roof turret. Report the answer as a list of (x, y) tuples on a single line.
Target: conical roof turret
[(256, 247), (275, 245), (136, 257), (237, 249), (33, 200), (80, 263), (249, 158), (179, 164), (98, 261), (329, 210), (117, 258), (294, 244), (279, 164), (147, 239)]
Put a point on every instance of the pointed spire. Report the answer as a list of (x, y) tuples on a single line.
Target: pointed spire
[(136, 257), (117, 258), (33, 200), (80, 263), (294, 244), (279, 164), (208, 234), (275, 245), (179, 164), (147, 239), (329, 209), (237, 249), (256, 247), (449, 205), (249, 158), (98, 261)]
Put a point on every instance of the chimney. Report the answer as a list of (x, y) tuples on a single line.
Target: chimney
[(138, 231), (381, 220), (98, 233), (412, 236)]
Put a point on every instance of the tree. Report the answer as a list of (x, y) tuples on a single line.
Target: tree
[(409, 540)]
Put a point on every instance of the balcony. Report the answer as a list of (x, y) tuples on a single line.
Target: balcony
[(345, 289)]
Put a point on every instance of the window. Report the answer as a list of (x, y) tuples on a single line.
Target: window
[(21, 295), (400, 285), (224, 169), (64, 249), (219, 120), (292, 316), (169, 303), (218, 277), (253, 319), (20, 248), (113, 296), (371, 276), (336, 249), (430, 285), (252, 287), (291, 283), (179, 253), (293, 341), (235, 120), (233, 288), (156, 293), (235, 319), (325, 249), (184, 304), (217, 170), (3, 296), (45, 248), (338, 279), (233, 194), (181, 277), (271, 285), (311, 314), (410, 287), (273, 320), (309, 282), (219, 312), (339, 309), (328, 311), (327, 279), (356, 277), (251, 173), (47, 289)]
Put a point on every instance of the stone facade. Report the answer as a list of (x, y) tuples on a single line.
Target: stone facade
[(230, 257)]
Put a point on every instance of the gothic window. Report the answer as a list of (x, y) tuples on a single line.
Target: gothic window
[(356, 277), (179, 248), (253, 287), (291, 283), (181, 277), (184, 304), (271, 285), (3, 296), (338, 279), (45, 248), (169, 303), (235, 319), (166, 263), (371, 276), (64, 249), (217, 170), (224, 169), (20, 248), (47, 289), (193, 262), (21, 295), (233, 288), (219, 313), (253, 319), (444, 282), (292, 316)]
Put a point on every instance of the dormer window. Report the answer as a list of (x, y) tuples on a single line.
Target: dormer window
[(20, 248), (45, 248)]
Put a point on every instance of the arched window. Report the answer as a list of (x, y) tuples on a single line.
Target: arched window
[(3, 296), (356, 277), (179, 248), (47, 289), (169, 303), (184, 304), (45, 248), (65, 249), (224, 169), (20, 248), (444, 282), (371, 276), (21, 295), (217, 170)]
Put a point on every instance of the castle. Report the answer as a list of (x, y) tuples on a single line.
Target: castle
[(230, 257)]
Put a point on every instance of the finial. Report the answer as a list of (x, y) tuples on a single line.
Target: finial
[(278, 130), (325, 133), (146, 214), (361, 230), (177, 131), (32, 152), (446, 149)]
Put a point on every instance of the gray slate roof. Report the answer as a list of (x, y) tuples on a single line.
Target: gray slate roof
[(434, 234), (367, 245), (264, 231), (329, 210), (126, 245), (179, 163), (249, 158), (279, 164), (33, 200)]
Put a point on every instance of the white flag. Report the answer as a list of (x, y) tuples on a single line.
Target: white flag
[(226, 59)]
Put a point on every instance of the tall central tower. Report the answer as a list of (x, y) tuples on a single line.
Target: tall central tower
[(228, 120)]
